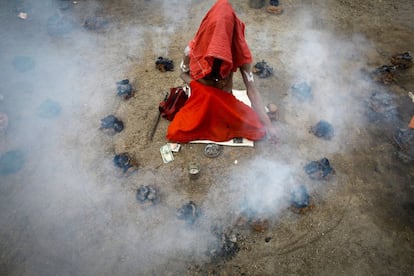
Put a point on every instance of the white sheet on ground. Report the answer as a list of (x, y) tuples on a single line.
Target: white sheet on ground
[(242, 96)]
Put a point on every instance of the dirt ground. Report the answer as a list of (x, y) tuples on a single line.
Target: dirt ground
[(68, 211)]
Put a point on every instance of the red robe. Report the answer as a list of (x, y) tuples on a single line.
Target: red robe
[(210, 113), (220, 35), (216, 115)]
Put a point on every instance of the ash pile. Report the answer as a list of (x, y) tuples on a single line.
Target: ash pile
[(404, 142), (189, 213), (387, 73), (111, 125), (125, 163), (125, 89), (323, 129), (225, 247), (148, 195), (381, 108), (262, 69), (319, 169)]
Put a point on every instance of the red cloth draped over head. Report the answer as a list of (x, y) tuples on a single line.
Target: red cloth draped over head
[(216, 115), (221, 36)]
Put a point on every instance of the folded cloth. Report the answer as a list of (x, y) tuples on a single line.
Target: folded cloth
[(216, 115), (221, 36)]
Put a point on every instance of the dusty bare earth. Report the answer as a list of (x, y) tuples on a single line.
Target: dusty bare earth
[(67, 211)]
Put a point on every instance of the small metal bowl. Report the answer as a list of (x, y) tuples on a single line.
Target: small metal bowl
[(213, 150)]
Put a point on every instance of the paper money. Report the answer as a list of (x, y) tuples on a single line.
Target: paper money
[(166, 153), (174, 147)]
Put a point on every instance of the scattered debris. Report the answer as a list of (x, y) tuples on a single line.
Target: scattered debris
[(213, 150), (272, 111), (302, 91), (323, 129), (189, 212), (11, 162), (384, 74), (300, 200), (259, 225), (319, 170), (404, 140), (381, 107), (49, 109), (111, 125), (402, 61), (148, 195), (262, 69), (226, 246), (250, 218), (164, 64), (22, 15), (125, 163), (95, 23), (58, 25), (125, 89), (23, 63)]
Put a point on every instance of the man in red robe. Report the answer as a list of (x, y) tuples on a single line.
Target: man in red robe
[(212, 113)]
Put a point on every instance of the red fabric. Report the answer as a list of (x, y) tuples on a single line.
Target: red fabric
[(220, 35), (216, 115)]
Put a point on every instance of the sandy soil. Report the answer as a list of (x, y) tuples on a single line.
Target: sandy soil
[(68, 211)]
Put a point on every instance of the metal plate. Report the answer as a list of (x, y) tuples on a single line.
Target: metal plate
[(213, 150)]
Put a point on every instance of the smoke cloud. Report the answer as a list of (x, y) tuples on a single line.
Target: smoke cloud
[(66, 212)]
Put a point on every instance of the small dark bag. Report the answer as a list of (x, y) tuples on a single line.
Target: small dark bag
[(172, 104)]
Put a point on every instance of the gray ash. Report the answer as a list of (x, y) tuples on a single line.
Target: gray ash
[(189, 212), (112, 124), (384, 74), (225, 247), (381, 108), (124, 89), (164, 64), (404, 140), (319, 170), (262, 69), (302, 91), (147, 193), (323, 129), (300, 197), (125, 162), (402, 61)]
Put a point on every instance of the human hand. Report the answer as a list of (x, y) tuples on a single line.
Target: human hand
[(272, 135)]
